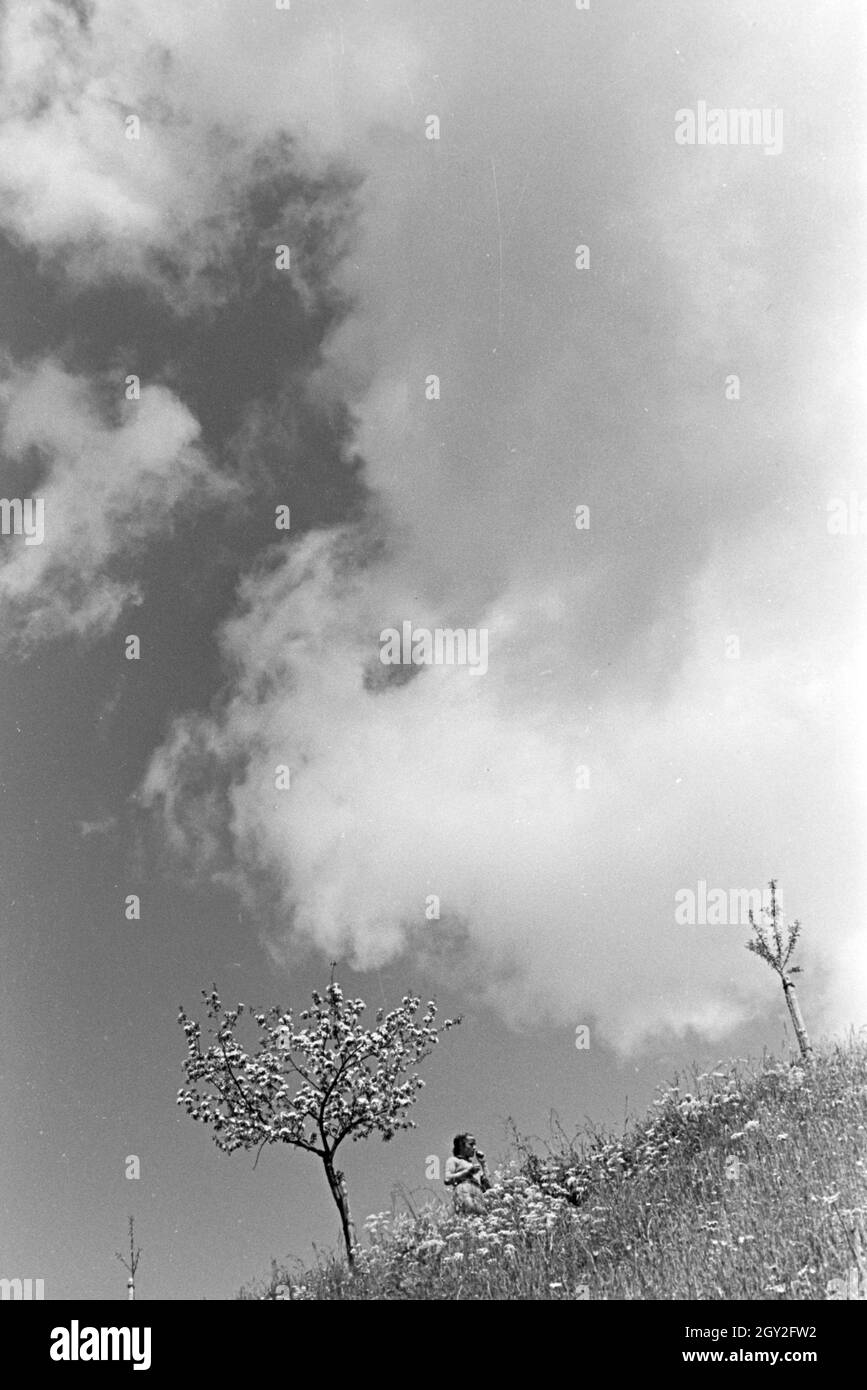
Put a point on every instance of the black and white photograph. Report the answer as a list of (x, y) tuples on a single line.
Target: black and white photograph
[(433, 664)]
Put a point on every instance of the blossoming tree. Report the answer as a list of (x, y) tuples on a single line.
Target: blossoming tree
[(312, 1081)]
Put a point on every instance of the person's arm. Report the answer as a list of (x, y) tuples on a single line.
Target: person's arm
[(484, 1180), (458, 1170)]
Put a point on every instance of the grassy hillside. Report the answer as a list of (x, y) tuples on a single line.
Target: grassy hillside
[(750, 1184)]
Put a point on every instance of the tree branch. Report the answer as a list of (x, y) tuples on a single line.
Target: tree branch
[(255, 1112)]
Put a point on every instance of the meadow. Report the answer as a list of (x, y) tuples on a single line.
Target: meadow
[(749, 1182)]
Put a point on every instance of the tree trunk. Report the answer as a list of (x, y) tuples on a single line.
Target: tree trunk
[(337, 1184), (797, 1018)]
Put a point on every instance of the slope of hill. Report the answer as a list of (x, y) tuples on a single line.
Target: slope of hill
[(750, 1185)]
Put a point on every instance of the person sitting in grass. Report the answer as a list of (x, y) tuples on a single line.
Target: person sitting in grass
[(466, 1175)]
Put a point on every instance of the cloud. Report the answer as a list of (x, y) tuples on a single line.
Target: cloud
[(243, 124), (209, 87), (556, 900), (108, 487), (559, 388), (608, 647)]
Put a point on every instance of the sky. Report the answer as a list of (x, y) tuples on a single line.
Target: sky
[(329, 258)]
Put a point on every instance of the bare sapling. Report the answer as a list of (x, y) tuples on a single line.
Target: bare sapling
[(132, 1263), (775, 941)]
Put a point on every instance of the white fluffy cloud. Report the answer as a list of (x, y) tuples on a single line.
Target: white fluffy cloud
[(559, 387), (557, 900), (209, 83), (608, 647), (107, 487)]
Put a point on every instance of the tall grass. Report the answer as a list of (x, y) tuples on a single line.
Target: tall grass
[(751, 1184)]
